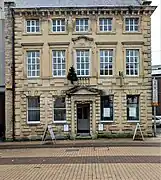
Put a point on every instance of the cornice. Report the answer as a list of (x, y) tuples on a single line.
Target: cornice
[(48, 12), (106, 43), (32, 44), (58, 43), (132, 43)]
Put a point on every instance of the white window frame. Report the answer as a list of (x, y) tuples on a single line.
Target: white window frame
[(133, 63), (133, 25), (32, 25), (60, 25), (79, 26), (62, 121), (33, 109), (36, 64), (84, 64), (58, 64), (104, 58), (103, 25)]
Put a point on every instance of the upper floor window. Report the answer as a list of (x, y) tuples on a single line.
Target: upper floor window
[(58, 25), (82, 62), (106, 62), (81, 25), (32, 26), (33, 63), (133, 108), (132, 24), (107, 108), (132, 61), (33, 110), (59, 110), (58, 64), (105, 24)]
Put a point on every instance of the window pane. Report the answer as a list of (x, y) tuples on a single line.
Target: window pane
[(59, 114), (132, 107), (59, 103), (33, 115), (82, 62), (33, 109), (132, 24), (106, 62), (58, 62), (59, 25), (132, 62), (107, 108), (28, 29)]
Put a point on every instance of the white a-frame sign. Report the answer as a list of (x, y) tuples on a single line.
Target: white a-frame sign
[(52, 135), (138, 128)]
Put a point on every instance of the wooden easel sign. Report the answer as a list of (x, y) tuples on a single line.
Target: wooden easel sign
[(52, 135), (138, 128)]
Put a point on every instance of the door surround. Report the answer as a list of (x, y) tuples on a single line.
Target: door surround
[(75, 113)]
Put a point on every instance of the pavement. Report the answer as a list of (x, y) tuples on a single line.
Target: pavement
[(84, 163), (148, 142)]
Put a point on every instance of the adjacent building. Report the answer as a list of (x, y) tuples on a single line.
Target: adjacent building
[(2, 74), (109, 45), (156, 73)]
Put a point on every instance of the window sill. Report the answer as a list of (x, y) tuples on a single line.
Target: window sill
[(83, 76), (106, 33), (59, 122), (32, 34), (107, 121), (131, 76), (35, 77), (58, 77), (133, 121), (105, 76), (132, 33), (33, 123), (58, 33)]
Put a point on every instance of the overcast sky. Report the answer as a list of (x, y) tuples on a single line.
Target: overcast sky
[(156, 33)]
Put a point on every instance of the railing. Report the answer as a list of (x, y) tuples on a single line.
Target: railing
[(82, 81)]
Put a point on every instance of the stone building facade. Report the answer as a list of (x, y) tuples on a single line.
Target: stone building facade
[(110, 49)]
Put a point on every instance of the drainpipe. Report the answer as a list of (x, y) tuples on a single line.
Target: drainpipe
[(13, 73)]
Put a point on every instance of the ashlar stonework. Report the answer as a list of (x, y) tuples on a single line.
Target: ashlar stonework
[(88, 89)]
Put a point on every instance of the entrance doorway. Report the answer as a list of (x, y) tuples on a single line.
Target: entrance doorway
[(83, 118), (2, 116)]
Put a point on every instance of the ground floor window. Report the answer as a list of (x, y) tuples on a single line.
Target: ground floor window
[(107, 108), (33, 112), (132, 107), (59, 109)]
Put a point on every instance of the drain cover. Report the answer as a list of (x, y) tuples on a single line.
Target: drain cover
[(71, 150)]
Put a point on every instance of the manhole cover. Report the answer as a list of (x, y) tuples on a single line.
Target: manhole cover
[(71, 150)]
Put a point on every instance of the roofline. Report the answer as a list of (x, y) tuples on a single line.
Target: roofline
[(89, 6), (76, 7)]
